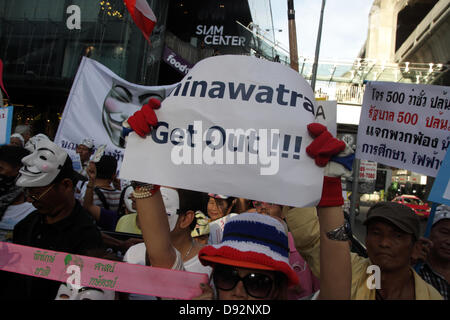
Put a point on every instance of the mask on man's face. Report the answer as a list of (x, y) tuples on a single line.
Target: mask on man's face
[(6, 183), (42, 166)]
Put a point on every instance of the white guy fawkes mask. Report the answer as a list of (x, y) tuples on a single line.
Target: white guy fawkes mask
[(172, 203), (31, 144), (120, 104), (128, 201), (42, 166), (84, 293)]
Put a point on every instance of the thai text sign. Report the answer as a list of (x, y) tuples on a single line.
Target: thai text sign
[(100, 273), (6, 115), (405, 126), (367, 171), (235, 125)]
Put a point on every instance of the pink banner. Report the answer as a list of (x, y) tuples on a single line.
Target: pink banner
[(101, 273)]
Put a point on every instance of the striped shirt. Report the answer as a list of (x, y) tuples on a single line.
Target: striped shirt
[(436, 280), (112, 198)]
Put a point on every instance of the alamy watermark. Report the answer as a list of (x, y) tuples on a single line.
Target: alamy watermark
[(218, 146)]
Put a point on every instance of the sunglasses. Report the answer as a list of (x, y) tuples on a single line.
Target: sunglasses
[(37, 198), (258, 204), (257, 285)]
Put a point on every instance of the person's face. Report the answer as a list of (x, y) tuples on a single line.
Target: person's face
[(49, 200), (120, 104), (234, 283), (270, 209), (216, 208), (387, 246), (84, 293), (84, 152), (440, 235), (14, 141)]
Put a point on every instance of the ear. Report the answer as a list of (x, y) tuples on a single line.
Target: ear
[(67, 184), (186, 219)]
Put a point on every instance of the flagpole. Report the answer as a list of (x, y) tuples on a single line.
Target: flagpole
[(292, 36), (316, 58)]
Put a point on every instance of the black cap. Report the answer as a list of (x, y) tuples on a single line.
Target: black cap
[(398, 214)]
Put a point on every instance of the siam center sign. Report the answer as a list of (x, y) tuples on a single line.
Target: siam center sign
[(214, 35)]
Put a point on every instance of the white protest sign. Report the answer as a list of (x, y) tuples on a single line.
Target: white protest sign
[(405, 126), (6, 115), (367, 171), (235, 125), (326, 114), (98, 103)]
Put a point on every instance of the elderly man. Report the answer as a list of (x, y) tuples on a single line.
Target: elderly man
[(392, 231), (85, 149), (60, 223)]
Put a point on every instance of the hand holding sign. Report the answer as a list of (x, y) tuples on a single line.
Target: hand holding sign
[(143, 120)]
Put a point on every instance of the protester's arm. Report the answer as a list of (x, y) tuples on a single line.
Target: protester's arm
[(155, 230), (335, 265), (88, 201)]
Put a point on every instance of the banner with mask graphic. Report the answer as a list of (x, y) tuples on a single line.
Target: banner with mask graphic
[(6, 115), (237, 126), (98, 103)]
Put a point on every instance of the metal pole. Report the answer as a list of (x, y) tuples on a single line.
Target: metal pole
[(316, 58), (355, 193), (293, 53)]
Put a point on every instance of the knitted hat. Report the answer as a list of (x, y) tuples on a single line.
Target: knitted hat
[(217, 196), (254, 241)]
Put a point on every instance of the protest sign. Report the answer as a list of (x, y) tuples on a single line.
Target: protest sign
[(235, 125), (100, 273), (97, 104), (440, 192), (367, 171), (405, 126), (6, 115)]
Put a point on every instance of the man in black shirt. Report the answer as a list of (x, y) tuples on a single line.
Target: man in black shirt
[(60, 223)]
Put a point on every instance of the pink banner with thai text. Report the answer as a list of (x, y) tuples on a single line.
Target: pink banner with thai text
[(101, 273)]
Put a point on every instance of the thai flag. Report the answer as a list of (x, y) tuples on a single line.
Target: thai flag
[(142, 15)]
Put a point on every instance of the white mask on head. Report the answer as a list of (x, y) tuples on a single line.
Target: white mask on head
[(84, 293), (31, 144), (128, 202), (42, 166), (172, 204)]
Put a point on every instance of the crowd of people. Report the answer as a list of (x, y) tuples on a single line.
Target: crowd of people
[(248, 249)]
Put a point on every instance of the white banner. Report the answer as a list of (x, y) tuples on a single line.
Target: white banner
[(405, 126), (97, 104), (235, 125)]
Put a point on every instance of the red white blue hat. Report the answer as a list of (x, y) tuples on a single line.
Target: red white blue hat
[(254, 241)]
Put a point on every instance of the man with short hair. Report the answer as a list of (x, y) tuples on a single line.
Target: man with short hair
[(392, 230), (60, 223), (105, 194), (436, 269)]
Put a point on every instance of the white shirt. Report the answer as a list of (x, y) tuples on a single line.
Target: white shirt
[(136, 255)]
